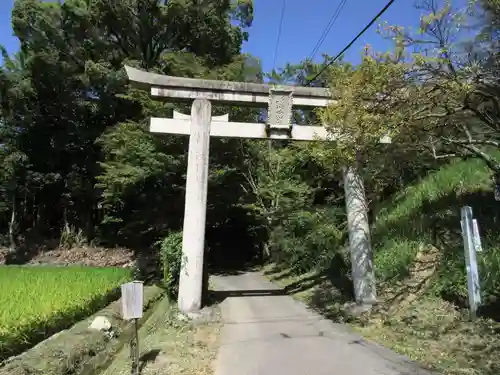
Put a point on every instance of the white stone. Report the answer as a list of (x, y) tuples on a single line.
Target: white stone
[(101, 323)]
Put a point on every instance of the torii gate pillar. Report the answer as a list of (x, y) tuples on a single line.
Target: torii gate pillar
[(200, 126), (193, 234)]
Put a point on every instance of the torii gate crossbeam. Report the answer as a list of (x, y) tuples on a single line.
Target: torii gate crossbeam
[(200, 126)]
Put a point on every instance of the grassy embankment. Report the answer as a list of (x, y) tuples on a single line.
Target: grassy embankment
[(39, 301), (170, 346), (420, 267)]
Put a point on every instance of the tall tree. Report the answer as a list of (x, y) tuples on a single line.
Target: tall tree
[(77, 134), (434, 91)]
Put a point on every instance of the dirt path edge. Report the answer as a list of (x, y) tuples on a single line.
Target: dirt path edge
[(104, 359), (79, 350)]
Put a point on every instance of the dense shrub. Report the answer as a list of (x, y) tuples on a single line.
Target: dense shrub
[(308, 240), (171, 258), (394, 259)]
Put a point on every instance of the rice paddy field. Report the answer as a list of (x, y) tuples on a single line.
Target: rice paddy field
[(36, 302)]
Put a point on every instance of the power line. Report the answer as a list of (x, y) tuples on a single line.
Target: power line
[(384, 9), (279, 33), (327, 29), (329, 26)]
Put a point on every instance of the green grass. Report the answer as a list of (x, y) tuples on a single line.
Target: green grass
[(428, 214), (38, 301), (455, 179)]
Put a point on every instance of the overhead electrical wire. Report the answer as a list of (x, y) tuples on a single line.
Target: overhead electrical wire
[(328, 28), (382, 11), (283, 7)]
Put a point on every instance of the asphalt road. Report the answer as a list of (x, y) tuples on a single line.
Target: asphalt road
[(268, 333)]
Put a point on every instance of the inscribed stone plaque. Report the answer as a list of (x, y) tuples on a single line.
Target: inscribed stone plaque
[(132, 300), (280, 107)]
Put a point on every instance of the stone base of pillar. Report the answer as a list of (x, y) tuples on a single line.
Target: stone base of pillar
[(357, 309)]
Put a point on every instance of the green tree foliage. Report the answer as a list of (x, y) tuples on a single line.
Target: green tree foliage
[(293, 185), (77, 156), (432, 91)]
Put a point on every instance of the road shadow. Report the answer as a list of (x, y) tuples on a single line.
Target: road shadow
[(326, 290), (217, 296), (148, 357), (339, 280), (225, 272)]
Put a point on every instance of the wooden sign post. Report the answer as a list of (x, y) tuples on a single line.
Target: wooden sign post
[(132, 303)]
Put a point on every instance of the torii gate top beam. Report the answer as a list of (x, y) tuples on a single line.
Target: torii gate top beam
[(226, 92)]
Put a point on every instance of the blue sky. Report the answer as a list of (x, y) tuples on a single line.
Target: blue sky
[(302, 26), (304, 23)]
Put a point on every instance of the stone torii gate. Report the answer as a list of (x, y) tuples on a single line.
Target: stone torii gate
[(200, 126)]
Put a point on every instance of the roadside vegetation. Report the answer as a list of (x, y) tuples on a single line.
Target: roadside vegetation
[(170, 346), (420, 268)]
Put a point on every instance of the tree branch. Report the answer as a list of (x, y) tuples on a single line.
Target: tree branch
[(475, 142), (443, 156), (490, 161)]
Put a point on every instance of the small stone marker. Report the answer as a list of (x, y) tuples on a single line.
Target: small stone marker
[(132, 302), (473, 285)]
